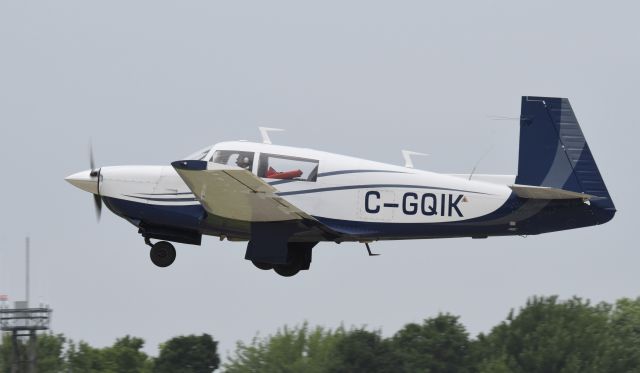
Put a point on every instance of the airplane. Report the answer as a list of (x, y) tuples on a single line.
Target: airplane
[(284, 200)]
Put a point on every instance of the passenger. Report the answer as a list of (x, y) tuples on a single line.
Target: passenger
[(244, 162)]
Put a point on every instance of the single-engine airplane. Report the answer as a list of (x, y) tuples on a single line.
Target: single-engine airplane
[(284, 200)]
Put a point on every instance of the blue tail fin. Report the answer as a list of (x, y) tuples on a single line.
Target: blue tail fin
[(554, 152)]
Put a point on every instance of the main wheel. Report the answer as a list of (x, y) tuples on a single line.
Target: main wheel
[(262, 266), (287, 270), (162, 254)]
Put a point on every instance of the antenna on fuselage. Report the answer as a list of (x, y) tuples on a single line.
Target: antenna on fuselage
[(473, 170), (264, 131), (407, 157)]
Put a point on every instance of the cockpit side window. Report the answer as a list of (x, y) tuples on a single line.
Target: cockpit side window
[(273, 166), (234, 158)]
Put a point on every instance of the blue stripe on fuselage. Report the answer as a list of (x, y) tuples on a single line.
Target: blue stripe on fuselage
[(369, 186), (517, 216), (530, 217), (178, 216), (164, 199)]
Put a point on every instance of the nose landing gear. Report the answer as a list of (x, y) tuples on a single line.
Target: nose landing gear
[(162, 253)]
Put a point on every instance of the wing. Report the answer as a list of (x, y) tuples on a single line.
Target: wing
[(235, 193)]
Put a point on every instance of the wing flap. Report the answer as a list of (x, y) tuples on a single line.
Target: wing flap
[(235, 193)]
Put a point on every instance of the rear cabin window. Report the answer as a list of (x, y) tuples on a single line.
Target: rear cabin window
[(234, 158), (273, 166)]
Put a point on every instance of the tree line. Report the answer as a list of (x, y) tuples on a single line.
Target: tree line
[(545, 335), (57, 354)]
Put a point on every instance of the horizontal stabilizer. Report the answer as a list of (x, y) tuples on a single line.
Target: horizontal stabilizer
[(540, 192)]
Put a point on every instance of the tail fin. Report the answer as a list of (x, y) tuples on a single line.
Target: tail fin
[(554, 152)]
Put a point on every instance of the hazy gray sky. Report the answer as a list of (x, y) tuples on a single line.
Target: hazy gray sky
[(151, 81)]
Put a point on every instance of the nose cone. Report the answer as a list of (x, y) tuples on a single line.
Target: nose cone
[(84, 181)]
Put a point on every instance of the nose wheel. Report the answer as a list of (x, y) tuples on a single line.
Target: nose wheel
[(162, 253)]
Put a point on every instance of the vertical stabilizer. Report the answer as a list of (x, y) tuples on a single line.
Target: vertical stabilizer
[(554, 152)]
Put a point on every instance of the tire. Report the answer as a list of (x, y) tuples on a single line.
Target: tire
[(162, 254), (262, 266), (287, 270)]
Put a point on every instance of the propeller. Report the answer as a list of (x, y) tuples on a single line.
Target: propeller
[(95, 172)]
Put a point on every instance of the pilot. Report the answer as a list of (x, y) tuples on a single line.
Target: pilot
[(244, 162)]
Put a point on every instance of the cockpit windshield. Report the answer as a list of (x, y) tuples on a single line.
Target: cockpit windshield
[(236, 158), (199, 155)]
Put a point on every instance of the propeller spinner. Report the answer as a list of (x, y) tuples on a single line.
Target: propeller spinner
[(89, 181)]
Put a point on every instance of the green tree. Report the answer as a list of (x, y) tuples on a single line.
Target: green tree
[(622, 353), (297, 349), (188, 354), (84, 358), (50, 350), (125, 356), (363, 351), (547, 336), (440, 344), (5, 352)]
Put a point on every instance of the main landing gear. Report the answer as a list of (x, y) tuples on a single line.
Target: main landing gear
[(284, 270), (162, 253), (298, 259), (262, 266)]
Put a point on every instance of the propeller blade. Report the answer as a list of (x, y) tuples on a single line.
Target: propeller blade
[(97, 201), (91, 161)]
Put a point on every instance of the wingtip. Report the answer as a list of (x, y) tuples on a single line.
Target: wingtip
[(192, 165)]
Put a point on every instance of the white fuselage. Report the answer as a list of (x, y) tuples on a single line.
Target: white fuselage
[(346, 188)]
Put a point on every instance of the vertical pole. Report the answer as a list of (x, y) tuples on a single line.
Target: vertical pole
[(15, 353), (33, 352), (27, 272)]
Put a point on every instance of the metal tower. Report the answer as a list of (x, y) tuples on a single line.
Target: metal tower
[(23, 323)]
